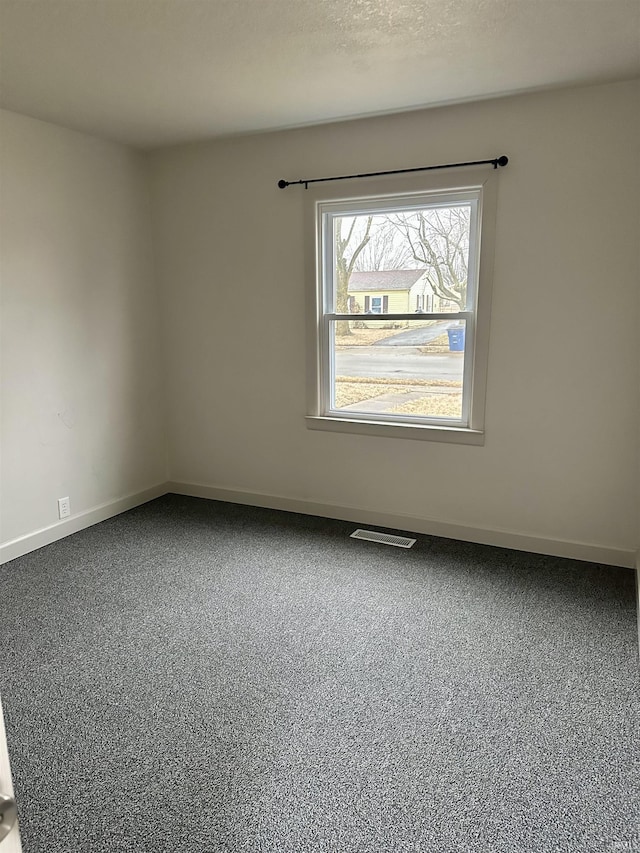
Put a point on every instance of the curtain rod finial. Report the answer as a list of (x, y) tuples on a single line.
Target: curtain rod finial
[(282, 183), (502, 161)]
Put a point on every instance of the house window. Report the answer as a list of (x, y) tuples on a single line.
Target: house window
[(397, 249)]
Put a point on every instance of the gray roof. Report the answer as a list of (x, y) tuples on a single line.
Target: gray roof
[(383, 280)]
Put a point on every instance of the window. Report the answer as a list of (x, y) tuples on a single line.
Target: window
[(416, 253)]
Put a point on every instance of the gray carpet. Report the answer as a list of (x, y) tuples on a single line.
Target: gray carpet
[(195, 677)]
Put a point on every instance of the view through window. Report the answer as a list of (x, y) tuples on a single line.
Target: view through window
[(400, 285)]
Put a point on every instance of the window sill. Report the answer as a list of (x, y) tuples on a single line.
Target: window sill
[(422, 432)]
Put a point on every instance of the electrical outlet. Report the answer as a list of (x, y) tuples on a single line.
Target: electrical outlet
[(64, 507)]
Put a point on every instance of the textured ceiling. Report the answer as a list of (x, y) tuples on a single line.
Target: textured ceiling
[(153, 72)]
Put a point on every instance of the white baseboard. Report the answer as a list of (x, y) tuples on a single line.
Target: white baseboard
[(47, 535), (500, 538)]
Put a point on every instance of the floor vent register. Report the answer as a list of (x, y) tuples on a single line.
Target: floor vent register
[(383, 538)]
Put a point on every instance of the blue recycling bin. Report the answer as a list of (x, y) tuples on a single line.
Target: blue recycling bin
[(456, 339)]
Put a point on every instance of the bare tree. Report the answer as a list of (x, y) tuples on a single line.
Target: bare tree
[(386, 250), (438, 239), (348, 249)]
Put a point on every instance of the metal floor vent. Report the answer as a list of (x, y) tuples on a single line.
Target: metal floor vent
[(384, 538)]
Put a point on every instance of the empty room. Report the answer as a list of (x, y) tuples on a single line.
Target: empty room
[(320, 426)]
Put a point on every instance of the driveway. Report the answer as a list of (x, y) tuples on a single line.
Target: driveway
[(416, 337)]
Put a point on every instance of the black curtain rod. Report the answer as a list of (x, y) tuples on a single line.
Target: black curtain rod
[(497, 161)]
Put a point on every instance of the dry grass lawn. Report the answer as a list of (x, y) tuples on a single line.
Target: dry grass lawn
[(433, 405), (355, 389), (383, 380), (348, 393), (439, 344)]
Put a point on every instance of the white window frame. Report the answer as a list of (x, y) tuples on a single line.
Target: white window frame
[(400, 192)]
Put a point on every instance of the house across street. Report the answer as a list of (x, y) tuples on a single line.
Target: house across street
[(394, 292)]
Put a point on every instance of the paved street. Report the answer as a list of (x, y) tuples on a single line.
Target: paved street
[(399, 363)]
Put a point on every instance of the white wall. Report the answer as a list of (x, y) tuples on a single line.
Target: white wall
[(82, 387), (561, 454)]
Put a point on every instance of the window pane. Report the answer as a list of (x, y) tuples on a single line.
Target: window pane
[(401, 262), (412, 368)]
